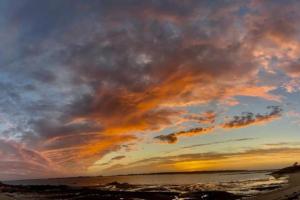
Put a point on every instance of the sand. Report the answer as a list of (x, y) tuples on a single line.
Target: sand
[(5, 197), (289, 192), (47, 192)]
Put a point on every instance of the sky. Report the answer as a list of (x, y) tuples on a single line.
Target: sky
[(127, 86)]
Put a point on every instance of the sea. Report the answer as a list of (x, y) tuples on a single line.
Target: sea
[(247, 183)]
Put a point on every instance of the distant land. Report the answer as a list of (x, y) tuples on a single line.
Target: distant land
[(288, 170), (154, 173), (198, 172)]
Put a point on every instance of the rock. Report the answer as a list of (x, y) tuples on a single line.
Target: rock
[(210, 195), (287, 170), (120, 185), (2, 184)]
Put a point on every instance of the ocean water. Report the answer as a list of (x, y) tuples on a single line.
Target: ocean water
[(246, 183)]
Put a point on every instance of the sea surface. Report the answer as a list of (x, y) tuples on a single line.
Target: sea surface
[(244, 183)]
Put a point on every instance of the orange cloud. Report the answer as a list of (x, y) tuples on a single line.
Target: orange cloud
[(208, 117), (78, 156), (114, 113)]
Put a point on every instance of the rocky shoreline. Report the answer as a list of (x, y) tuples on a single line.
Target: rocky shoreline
[(47, 192)]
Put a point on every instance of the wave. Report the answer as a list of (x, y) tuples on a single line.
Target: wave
[(243, 188)]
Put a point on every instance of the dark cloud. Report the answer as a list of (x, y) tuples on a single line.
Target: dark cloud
[(118, 158), (53, 128), (249, 118), (170, 138), (173, 137), (112, 160), (44, 76)]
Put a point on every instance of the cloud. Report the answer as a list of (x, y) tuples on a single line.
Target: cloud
[(217, 155), (173, 137), (220, 142), (249, 118), (274, 32), (170, 138), (17, 160), (102, 74), (118, 158), (259, 158), (292, 86), (246, 119), (176, 73), (208, 117), (280, 144)]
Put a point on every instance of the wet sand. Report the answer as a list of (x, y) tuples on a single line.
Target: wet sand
[(289, 192), (5, 197), (44, 192), (86, 193)]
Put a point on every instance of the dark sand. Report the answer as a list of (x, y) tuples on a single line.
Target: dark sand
[(290, 192), (80, 193)]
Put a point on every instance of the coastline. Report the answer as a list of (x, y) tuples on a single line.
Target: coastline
[(82, 193), (116, 190), (5, 197), (289, 192)]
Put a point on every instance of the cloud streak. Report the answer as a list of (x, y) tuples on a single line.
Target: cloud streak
[(208, 117), (173, 137), (17, 160), (220, 142), (211, 160), (249, 118)]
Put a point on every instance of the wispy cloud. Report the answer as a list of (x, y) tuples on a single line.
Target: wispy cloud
[(252, 158), (208, 117), (19, 161), (283, 144), (219, 142), (112, 160)]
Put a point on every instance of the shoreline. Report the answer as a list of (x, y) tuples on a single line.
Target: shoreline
[(143, 174), (289, 192), (115, 190), (81, 193), (5, 197)]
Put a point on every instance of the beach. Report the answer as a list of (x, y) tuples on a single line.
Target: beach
[(79, 193), (116, 190), (289, 192), (5, 197)]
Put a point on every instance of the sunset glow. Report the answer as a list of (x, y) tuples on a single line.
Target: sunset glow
[(133, 86)]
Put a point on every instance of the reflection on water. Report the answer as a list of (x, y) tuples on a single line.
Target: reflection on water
[(235, 182)]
